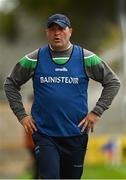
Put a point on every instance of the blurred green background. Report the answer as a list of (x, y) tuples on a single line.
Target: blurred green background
[(98, 26)]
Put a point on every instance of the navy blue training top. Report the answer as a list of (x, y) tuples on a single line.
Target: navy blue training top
[(60, 94)]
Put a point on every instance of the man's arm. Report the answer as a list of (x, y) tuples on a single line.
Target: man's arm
[(99, 71), (21, 73)]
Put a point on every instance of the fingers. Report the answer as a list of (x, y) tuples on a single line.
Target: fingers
[(84, 126), (85, 123), (82, 122), (88, 122), (28, 124), (30, 128), (90, 127), (32, 125)]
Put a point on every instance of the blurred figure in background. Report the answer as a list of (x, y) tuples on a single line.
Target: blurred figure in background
[(112, 151), (60, 121), (29, 144)]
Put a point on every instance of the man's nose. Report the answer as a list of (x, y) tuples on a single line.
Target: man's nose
[(57, 31)]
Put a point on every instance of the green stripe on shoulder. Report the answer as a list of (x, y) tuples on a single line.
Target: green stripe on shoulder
[(92, 60), (28, 63)]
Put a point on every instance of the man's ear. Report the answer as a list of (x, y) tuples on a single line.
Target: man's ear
[(46, 30), (71, 30)]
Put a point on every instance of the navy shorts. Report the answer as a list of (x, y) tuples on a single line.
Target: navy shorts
[(60, 158)]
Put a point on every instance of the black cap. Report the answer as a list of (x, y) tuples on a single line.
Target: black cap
[(59, 19)]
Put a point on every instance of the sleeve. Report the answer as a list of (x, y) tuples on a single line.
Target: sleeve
[(99, 71), (20, 74)]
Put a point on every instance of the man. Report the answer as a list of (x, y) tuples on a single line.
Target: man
[(60, 120)]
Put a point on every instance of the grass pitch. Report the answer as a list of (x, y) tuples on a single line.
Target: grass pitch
[(94, 172), (104, 172)]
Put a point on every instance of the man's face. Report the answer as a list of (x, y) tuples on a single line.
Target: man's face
[(58, 37)]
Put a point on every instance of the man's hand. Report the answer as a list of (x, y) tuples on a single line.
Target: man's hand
[(88, 122), (28, 124)]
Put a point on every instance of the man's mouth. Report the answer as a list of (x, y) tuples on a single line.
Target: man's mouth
[(57, 39)]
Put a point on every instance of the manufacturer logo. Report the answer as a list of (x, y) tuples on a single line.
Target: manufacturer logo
[(61, 69)]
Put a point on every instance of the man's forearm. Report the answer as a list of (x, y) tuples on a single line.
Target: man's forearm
[(108, 93), (15, 102)]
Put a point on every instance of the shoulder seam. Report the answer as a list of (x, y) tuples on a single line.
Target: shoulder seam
[(89, 56), (30, 58)]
